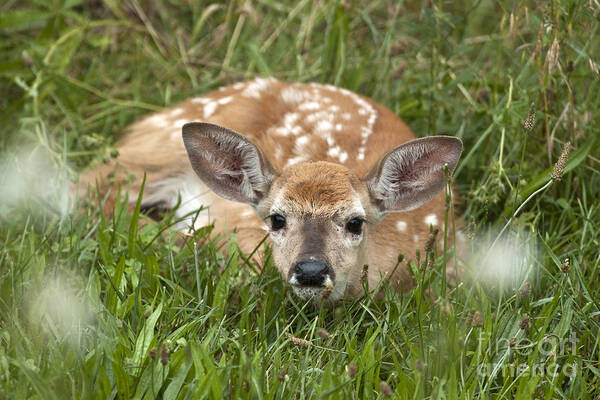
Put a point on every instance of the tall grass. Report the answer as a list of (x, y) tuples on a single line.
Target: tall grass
[(97, 307)]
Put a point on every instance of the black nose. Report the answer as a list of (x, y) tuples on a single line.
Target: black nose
[(311, 273)]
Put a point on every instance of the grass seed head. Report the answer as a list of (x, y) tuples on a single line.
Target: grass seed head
[(327, 291), (164, 354), (27, 59), (351, 369), (475, 319), (386, 389), (152, 353), (529, 122), (446, 308), (282, 374), (297, 341), (431, 240), (525, 290), (593, 66), (565, 266), (559, 167), (400, 258), (365, 273), (552, 55), (323, 334), (525, 322)]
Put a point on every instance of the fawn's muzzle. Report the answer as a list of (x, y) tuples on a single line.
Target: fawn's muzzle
[(310, 273)]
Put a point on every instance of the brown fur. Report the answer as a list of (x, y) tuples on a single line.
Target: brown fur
[(319, 188)]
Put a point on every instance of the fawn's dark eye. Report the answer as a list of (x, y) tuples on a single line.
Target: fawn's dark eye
[(277, 222), (355, 225)]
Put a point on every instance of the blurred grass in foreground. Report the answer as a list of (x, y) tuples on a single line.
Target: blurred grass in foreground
[(97, 308)]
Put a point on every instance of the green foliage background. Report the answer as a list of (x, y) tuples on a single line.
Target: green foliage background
[(96, 308)]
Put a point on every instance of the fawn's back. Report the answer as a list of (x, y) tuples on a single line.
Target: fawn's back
[(321, 170)]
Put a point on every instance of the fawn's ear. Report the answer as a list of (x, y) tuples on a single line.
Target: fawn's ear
[(228, 163), (413, 173)]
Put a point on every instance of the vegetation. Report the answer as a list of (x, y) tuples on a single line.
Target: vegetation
[(98, 307)]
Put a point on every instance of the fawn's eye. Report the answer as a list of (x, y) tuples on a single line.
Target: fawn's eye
[(277, 222), (355, 225)]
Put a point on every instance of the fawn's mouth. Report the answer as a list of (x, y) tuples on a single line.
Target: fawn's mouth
[(314, 291)]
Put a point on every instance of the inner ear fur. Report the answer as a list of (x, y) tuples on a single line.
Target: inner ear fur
[(413, 173), (227, 162)]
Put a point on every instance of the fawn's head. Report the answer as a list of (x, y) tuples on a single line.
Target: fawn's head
[(319, 214)]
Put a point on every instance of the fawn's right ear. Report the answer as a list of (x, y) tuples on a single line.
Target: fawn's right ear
[(228, 163)]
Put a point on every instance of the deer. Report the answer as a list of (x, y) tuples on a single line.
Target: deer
[(332, 179)]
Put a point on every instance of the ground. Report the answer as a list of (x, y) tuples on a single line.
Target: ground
[(93, 306)]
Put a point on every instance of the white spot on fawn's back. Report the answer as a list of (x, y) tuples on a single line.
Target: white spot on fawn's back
[(225, 100), (181, 122), (176, 112), (201, 100), (294, 160), (309, 105), (158, 120), (323, 126), (334, 151), (401, 226), (255, 88), (209, 109), (431, 219), (302, 140), (292, 95)]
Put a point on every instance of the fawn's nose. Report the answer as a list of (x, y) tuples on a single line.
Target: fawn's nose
[(311, 273)]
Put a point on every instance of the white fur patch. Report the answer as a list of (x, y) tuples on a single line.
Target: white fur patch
[(278, 152), (289, 126), (158, 120), (431, 219), (225, 100), (176, 112), (334, 151), (292, 95), (323, 126), (249, 212), (302, 140), (256, 87), (210, 108), (401, 226), (176, 135), (295, 160), (194, 195), (201, 100), (181, 122), (309, 105)]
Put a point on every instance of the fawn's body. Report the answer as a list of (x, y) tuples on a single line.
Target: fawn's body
[(315, 145)]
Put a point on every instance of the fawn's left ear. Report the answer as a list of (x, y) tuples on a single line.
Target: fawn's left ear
[(413, 173), (228, 163)]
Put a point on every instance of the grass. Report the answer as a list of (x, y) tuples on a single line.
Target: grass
[(92, 307)]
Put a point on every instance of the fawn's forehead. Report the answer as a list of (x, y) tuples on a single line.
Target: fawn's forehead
[(318, 189)]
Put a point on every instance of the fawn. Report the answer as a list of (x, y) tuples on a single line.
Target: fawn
[(321, 170)]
